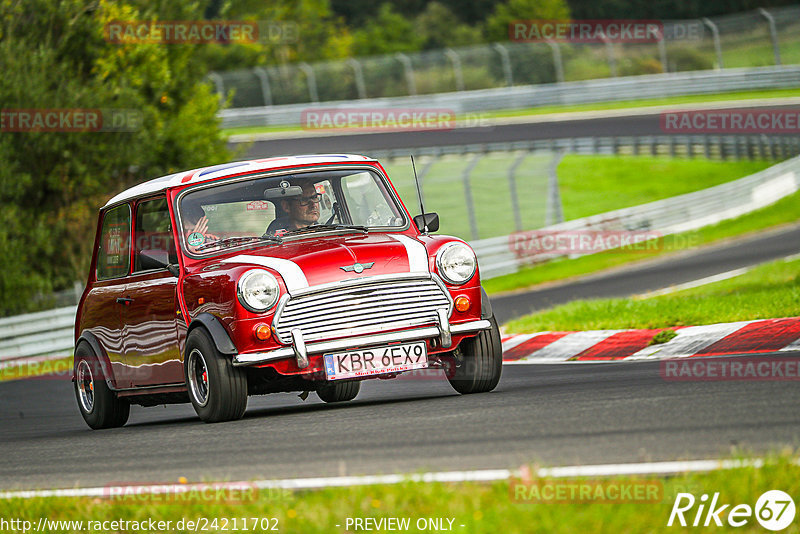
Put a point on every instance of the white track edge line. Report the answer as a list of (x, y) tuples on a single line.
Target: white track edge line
[(486, 475)]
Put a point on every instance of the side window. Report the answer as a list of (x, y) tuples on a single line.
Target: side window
[(154, 246), (113, 257)]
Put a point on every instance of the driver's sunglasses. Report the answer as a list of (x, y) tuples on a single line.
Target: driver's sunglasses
[(307, 201)]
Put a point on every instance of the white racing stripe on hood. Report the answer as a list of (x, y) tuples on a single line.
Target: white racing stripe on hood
[(416, 251), (292, 274)]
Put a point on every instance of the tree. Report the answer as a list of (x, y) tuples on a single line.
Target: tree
[(505, 13), (54, 56)]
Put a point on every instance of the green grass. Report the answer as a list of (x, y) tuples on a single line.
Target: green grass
[(786, 210), (589, 185), (546, 110), (480, 507), (770, 290)]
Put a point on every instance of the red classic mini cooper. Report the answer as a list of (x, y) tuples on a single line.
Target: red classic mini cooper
[(300, 273)]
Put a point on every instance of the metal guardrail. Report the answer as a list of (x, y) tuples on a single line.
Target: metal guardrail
[(500, 255), (578, 92), (48, 332)]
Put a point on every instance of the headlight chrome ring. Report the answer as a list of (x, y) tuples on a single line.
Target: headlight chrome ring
[(456, 263), (257, 290)]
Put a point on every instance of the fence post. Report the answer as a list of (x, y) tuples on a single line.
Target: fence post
[(773, 32), (559, 65), (218, 84), (360, 85), (506, 63), (554, 211), (473, 224), (662, 51), (612, 59), (423, 173), (266, 93), (312, 81), (512, 187), (409, 72), (715, 35), (456, 61)]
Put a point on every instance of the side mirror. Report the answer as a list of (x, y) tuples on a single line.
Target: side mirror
[(157, 259), (431, 220)]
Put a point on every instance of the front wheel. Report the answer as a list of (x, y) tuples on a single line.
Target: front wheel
[(339, 391), (482, 362), (217, 389), (99, 406)]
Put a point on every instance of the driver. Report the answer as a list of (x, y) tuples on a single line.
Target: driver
[(300, 211)]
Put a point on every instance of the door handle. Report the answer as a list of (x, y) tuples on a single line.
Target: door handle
[(124, 300)]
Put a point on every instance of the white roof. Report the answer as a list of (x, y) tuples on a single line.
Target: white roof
[(219, 171)]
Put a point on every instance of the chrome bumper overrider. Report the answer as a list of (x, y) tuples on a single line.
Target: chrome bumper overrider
[(300, 349)]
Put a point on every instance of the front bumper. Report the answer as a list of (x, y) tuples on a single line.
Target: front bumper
[(300, 350)]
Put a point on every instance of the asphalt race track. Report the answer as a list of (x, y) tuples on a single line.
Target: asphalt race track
[(633, 125), (553, 414)]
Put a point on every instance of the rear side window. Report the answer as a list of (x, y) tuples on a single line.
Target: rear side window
[(114, 255)]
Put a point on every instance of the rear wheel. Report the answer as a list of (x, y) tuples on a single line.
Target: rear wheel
[(99, 406), (217, 389), (482, 362), (339, 391)]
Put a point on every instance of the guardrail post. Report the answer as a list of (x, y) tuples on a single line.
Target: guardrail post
[(773, 32), (360, 85), (312, 81), (456, 61), (512, 187), (706, 147), (557, 62), (473, 224), (554, 211), (409, 72), (219, 84), (506, 63), (717, 46), (748, 142), (689, 147), (723, 155), (266, 93), (672, 146), (653, 147)]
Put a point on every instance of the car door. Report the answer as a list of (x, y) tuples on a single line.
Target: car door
[(150, 335), (103, 309)]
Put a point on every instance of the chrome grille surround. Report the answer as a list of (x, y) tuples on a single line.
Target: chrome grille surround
[(360, 306)]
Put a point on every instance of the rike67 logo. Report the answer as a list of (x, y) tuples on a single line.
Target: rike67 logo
[(774, 510)]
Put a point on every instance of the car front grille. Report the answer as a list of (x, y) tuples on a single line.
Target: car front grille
[(362, 307)]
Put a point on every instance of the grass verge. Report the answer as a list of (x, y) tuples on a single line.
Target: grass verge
[(769, 290), (545, 110), (463, 507), (785, 211)]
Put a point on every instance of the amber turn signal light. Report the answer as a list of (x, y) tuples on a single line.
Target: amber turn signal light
[(262, 332), (462, 303)]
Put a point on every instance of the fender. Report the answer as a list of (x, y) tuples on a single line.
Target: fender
[(218, 333), (486, 305), (108, 372)]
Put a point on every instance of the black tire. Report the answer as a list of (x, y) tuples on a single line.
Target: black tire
[(339, 391), (217, 389), (482, 362), (99, 406)]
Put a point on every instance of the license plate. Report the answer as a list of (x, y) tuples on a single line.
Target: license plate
[(376, 361)]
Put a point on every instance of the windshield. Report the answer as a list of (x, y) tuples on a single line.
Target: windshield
[(271, 209)]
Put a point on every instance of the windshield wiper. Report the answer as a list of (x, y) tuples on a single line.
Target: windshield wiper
[(317, 227), (233, 241)]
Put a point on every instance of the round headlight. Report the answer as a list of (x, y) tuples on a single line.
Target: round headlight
[(258, 290), (456, 263)]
